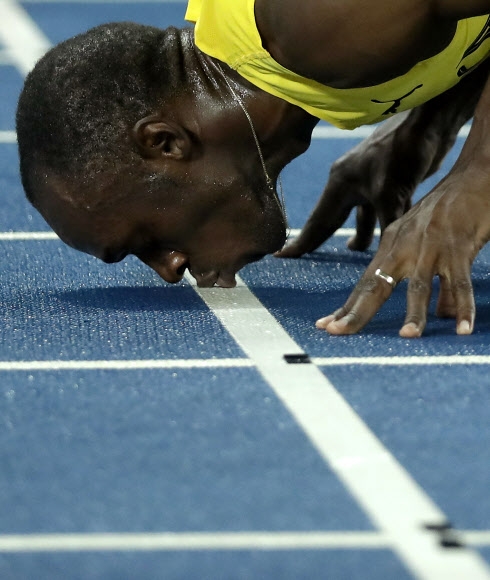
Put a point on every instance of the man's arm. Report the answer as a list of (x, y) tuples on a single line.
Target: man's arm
[(440, 236), (379, 175)]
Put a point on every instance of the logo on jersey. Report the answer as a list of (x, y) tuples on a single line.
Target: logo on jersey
[(396, 102), (462, 69), (474, 46)]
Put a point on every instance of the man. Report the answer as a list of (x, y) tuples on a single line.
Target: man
[(137, 140)]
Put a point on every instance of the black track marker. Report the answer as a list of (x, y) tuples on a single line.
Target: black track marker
[(294, 359), (448, 536)]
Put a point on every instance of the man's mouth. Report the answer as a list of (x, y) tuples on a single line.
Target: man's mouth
[(213, 278)]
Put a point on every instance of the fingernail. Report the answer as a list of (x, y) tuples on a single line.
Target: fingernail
[(410, 330), (325, 321), (464, 327)]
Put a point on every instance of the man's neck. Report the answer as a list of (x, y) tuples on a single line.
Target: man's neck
[(280, 126)]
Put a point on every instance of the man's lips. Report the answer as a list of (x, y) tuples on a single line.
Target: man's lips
[(210, 279)]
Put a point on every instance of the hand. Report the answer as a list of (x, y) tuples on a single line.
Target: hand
[(378, 177), (440, 236)]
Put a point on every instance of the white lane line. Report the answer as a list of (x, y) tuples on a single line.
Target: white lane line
[(479, 538), (403, 360), (327, 132), (294, 232), (5, 58), (50, 365), (193, 541), (321, 132), (162, 541), (8, 137), (64, 365), (396, 504), (20, 35), (20, 236)]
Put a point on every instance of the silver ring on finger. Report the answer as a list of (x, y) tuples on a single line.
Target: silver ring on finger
[(386, 277)]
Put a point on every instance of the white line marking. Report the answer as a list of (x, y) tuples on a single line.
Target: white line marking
[(50, 365), (403, 360), (21, 236), (386, 491), (318, 133), (193, 541), (5, 58), (327, 132), (57, 365), (476, 537), (347, 232), (8, 137), (210, 541), (20, 35)]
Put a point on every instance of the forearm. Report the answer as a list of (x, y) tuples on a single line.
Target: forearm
[(439, 120), (476, 150)]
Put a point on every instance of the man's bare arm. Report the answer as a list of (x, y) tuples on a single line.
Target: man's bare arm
[(379, 175), (440, 236)]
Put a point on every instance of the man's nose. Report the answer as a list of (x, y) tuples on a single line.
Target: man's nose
[(171, 266)]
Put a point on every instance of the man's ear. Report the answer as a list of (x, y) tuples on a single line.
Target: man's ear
[(157, 138)]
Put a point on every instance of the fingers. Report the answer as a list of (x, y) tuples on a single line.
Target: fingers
[(394, 204), (446, 306), (331, 211), (365, 224), (418, 298), (456, 298), (315, 232), (368, 296)]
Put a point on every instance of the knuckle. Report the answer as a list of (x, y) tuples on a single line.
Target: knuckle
[(355, 320), (368, 285), (340, 312), (435, 229), (418, 286), (416, 319), (462, 286), (392, 227)]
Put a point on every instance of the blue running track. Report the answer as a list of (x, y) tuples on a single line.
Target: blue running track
[(150, 431)]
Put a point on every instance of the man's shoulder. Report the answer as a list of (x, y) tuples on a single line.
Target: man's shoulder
[(344, 43)]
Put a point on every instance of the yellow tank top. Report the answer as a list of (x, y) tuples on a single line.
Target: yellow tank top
[(226, 30)]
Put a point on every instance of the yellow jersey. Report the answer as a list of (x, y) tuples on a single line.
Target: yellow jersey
[(226, 30)]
